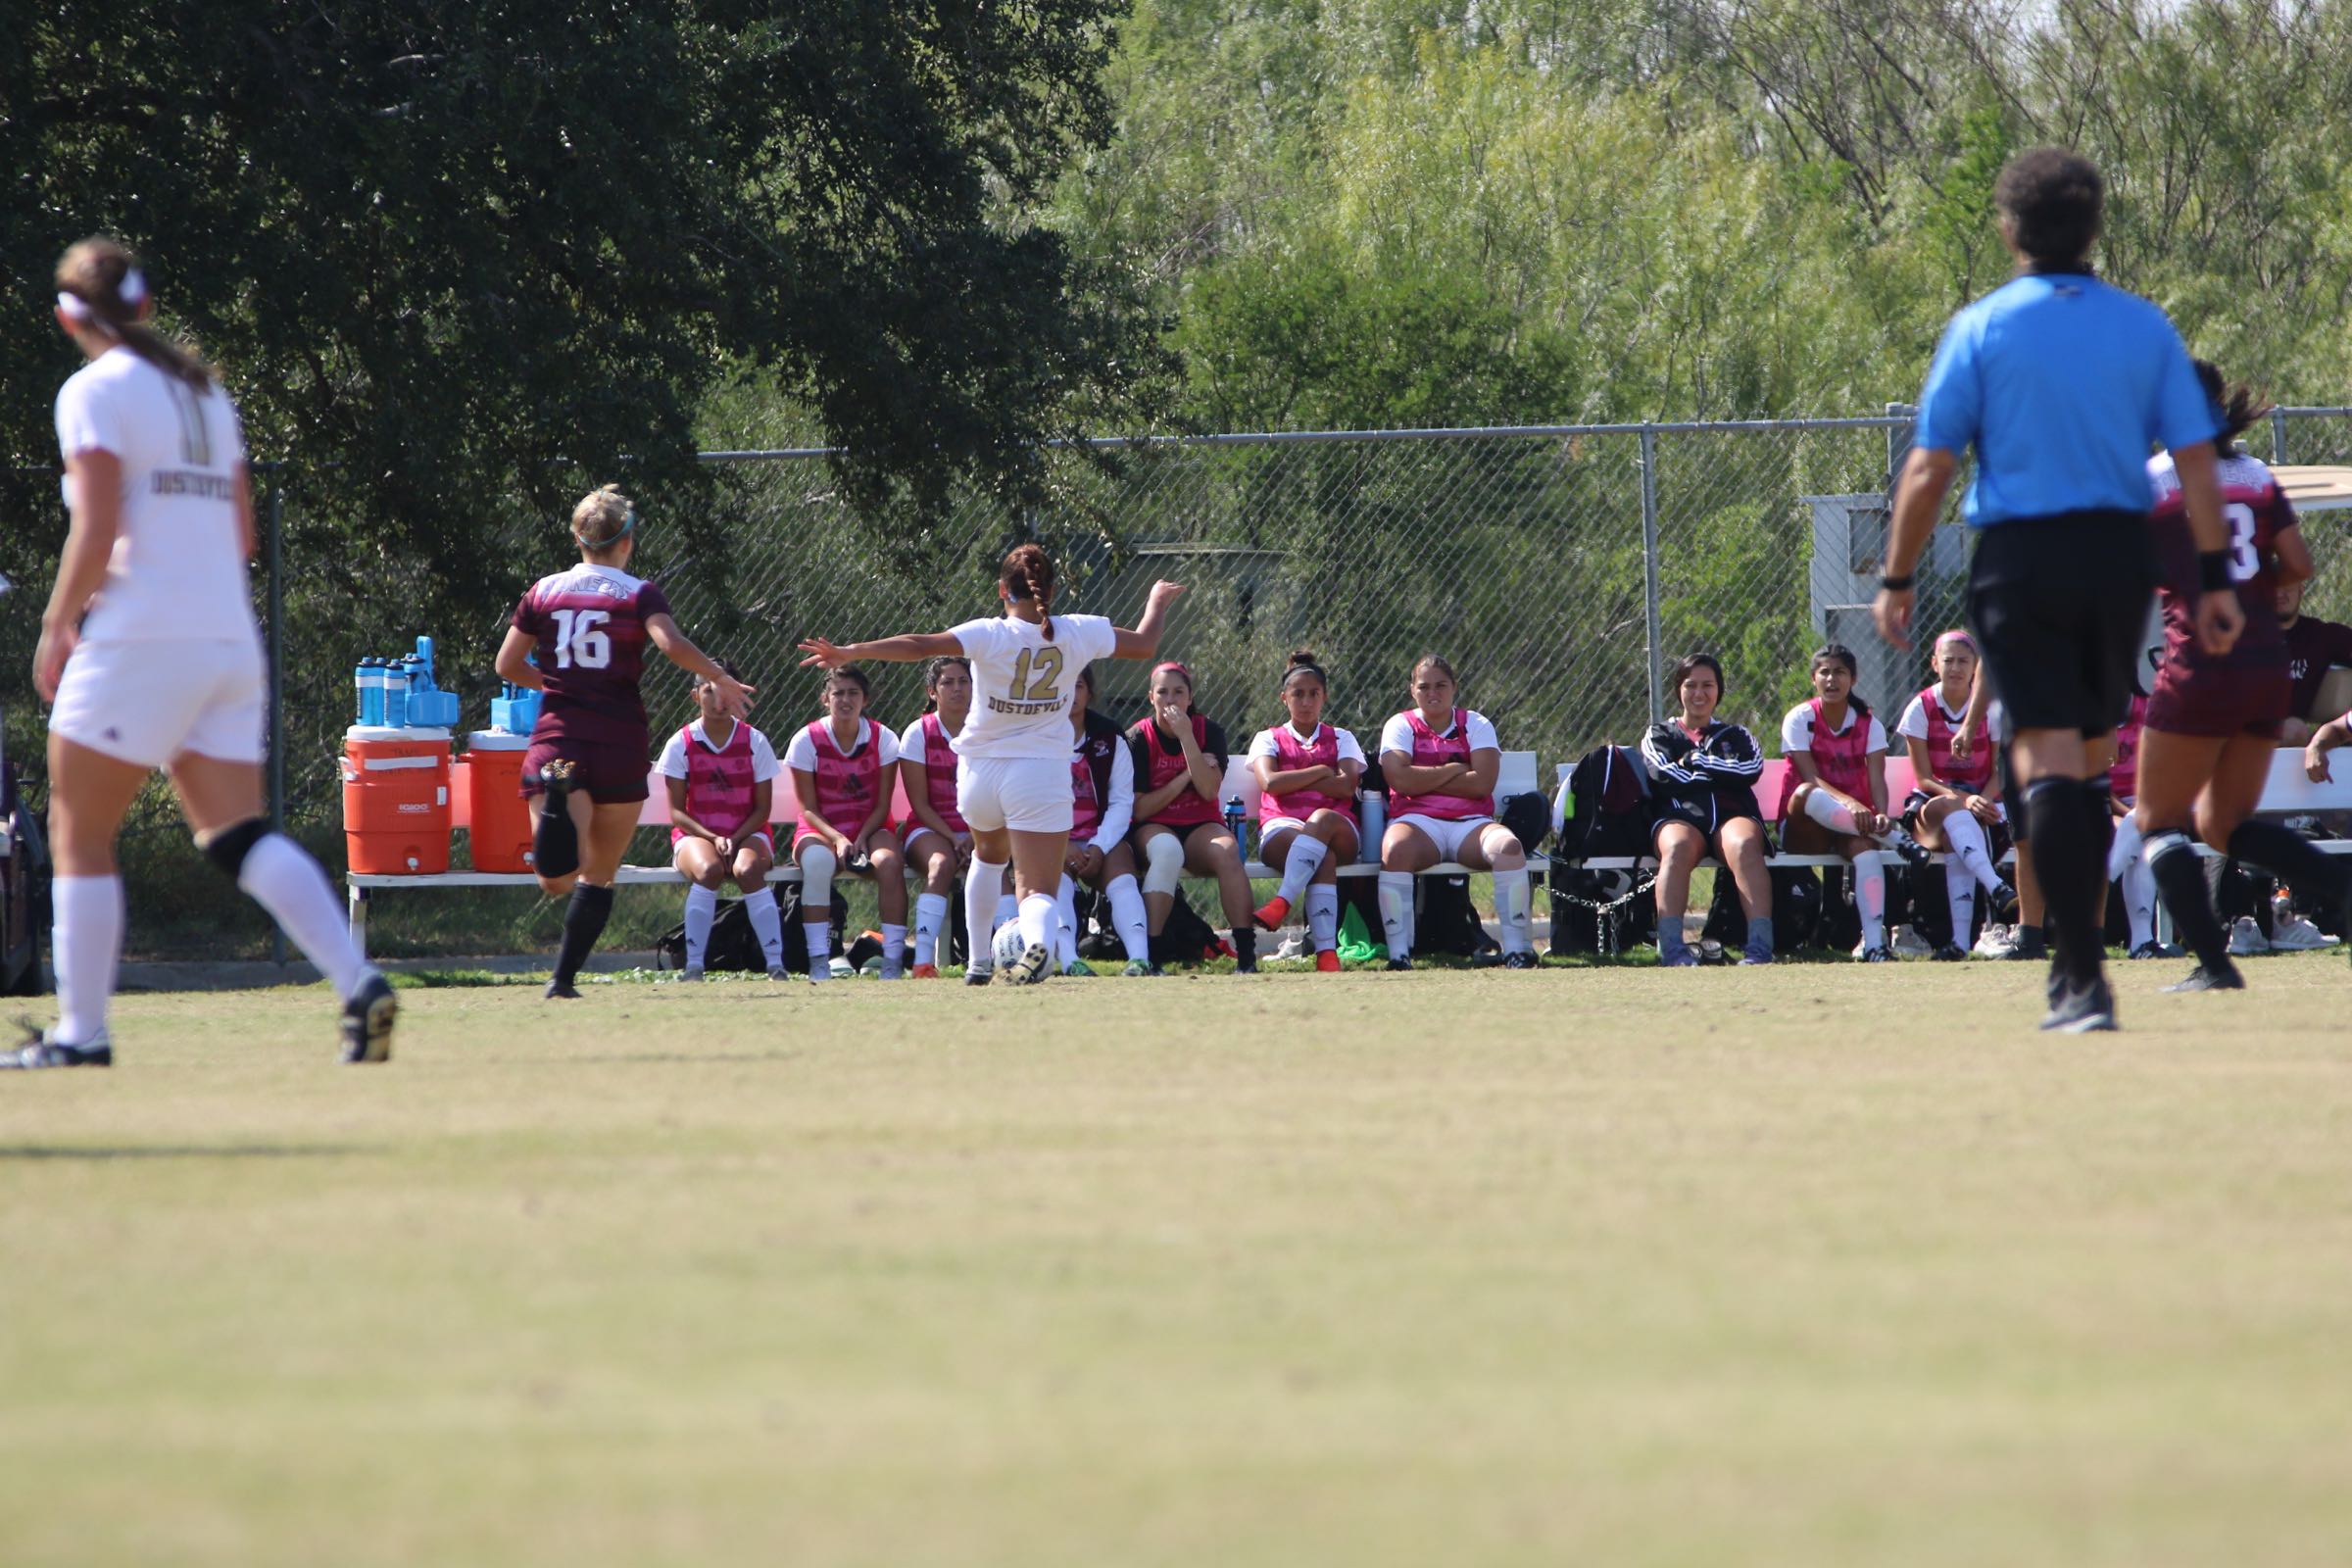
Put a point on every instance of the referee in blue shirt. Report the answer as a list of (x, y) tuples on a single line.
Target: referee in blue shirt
[(2061, 384)]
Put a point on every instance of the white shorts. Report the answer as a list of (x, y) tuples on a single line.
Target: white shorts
[(149, 703), (1449, 834), (1026, 793)]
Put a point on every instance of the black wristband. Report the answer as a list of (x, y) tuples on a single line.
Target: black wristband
[(1898, 584), (2213, 569)]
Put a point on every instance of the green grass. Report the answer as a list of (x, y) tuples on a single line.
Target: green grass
[(1610, 1265)]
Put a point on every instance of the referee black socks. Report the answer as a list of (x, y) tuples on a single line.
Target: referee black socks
[(2070, 856), (583, 922)]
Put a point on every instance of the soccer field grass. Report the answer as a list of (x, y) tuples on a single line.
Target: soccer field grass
[(1800, 1266)]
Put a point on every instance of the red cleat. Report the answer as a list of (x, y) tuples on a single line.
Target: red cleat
[(1272, 913), (923, 971), (1327, 961)]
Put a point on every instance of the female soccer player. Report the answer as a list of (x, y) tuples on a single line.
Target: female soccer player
[(585, 769), (843, 766), (1834, 797), (1013, 774), (1307, 827), (1440, 762), (149, 654), (938, 841), (2214, 717), (1179, 758), (1952, 808), (721, 776), (1703, 774), (1103, 805)]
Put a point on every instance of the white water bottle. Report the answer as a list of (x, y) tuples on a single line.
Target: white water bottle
[(1372, 820)]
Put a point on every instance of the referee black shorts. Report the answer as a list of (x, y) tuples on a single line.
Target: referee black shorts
[(2059, 605)]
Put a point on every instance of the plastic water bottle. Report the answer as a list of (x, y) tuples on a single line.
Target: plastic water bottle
[(1236, 823), (371, 682), (396, 696), (1372, 820), (424, 656)]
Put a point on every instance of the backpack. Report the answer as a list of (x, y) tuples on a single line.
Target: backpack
[(1186, 938), (1795, 910), (788, 906), (733, 948), (1603, 810)]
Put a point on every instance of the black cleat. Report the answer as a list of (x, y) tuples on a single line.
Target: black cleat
[(1245, 963), (974, 975), (2226, 978), (1521, 960), (1879, 954), (2081, 1010), (1949, 953), (2036, 946), (1034, 965), (557, 778), (368, 1021), (1399, 966), (42, 1049), (560, 991), (1908, 848), (2148, 949)]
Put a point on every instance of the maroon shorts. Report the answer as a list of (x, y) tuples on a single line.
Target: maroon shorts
[(612, 774), (2218, 701)]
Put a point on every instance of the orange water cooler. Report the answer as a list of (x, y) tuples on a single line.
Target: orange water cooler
[(490, 803), (396, 800)]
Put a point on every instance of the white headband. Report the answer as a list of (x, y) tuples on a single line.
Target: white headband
[(133, 293)]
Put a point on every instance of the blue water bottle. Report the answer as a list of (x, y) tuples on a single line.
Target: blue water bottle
[(1236, 824), (371, 691), (395, 695)]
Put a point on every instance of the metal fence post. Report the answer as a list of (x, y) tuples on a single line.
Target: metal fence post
[(278, 678), (2277, 435), (1652, 618)]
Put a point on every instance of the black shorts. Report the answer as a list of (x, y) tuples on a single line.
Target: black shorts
[(1709, 816), (1184, 831), (2060, 608), (608, 773)]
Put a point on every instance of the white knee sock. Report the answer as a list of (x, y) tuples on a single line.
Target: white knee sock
[(1127, 915), (893, 950), (1960, 892), (818, 864), (2139, 901), (85, 943), (1065, 916), (767, 924), (702, 906), (1323, 917), (1513, 904), (1306, 854), (983, 885), (280, 876), (1870, 895), (1037, 919), (2125, 849), (1966, 835), (1396, 912), (1831, 812), (930, 914)]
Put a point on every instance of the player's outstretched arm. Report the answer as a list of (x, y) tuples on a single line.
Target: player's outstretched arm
[(1144, 641), (733, 696), (905, 649)]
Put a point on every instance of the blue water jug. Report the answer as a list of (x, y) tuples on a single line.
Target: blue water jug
[(396, 696), (370, 680)]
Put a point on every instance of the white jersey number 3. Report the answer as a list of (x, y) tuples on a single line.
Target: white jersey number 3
[(579, 641), (2243, 562)]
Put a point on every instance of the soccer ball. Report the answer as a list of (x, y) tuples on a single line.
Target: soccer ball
[(1008, 946)]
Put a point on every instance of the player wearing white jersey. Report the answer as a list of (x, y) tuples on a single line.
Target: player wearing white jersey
[(1013, 752), (150, 658)]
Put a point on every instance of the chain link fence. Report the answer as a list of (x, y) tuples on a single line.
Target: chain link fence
[(1560, 569)]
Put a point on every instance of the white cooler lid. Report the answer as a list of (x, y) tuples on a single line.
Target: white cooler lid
[(381, 732), (496, 740)]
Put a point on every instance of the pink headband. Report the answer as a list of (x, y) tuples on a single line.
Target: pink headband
[(1955, 636), (1178, 668)]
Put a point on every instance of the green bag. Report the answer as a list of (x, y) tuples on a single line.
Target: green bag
[(1355, 943)]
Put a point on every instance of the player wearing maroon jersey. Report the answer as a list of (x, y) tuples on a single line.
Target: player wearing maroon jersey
[(586, 769), (2213, 720), (2312, 648)]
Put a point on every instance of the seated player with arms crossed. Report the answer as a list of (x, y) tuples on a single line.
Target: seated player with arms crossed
[(2213, 718), (1440, 762), (1703, 774), (585, 769), (1102, 808), (843, 768), (1307, 827), (1952, 809), (1834, 799), (721, 791), (1179, 758), (2312, 648), (939, 843), (1013, 774)]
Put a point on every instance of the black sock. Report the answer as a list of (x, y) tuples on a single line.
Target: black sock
[(554, 842), (2071, 873), (583, 922), (2179, 873), (1244, 942), (2291, 858)]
